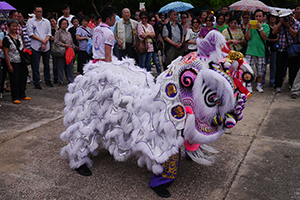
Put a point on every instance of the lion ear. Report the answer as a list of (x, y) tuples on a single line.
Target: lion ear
[(187, 78)]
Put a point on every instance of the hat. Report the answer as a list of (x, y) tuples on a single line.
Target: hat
[(274, 13), (285, 12)]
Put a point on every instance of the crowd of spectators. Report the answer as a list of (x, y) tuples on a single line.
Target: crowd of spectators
[(168, 35)]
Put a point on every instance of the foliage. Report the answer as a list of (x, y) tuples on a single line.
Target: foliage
[(151, 5)]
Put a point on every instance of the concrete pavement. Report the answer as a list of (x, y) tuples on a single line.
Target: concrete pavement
[(258, 159)]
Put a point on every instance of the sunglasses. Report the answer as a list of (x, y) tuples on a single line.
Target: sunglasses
[(152, 20), (183, 17)]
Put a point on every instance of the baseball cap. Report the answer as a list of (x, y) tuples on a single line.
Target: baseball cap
[(285, 12)]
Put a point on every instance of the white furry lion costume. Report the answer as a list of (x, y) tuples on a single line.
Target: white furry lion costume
[(119, 105)]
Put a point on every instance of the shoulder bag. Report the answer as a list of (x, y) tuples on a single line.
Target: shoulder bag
[(58, 51), (293, 50), (25, 57), (141, 45), (231, 38), (267, 48)]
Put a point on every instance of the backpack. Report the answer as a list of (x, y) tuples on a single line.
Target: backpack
[(168, 25)]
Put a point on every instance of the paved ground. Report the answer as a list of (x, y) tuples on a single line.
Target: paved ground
[(258, 159)]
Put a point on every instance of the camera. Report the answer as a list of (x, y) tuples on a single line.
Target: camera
[(286, 19)]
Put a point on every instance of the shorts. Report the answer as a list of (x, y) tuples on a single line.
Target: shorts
[(259, 62)]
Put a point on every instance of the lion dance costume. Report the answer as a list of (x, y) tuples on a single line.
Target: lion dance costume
[(120, 106)]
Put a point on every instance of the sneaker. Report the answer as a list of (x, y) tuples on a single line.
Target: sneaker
[(249, 88), (294, 95), (17, 101), (49, 84), (25, 98), (37, 86), (259, 89), (61, 84), (278, 90), (28, 79)]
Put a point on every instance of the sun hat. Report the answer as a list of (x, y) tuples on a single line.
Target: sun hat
[(285, 12), (274, 13)]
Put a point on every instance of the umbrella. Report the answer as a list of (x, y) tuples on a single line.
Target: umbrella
[(5, 7), (177, 6), (249, 5)]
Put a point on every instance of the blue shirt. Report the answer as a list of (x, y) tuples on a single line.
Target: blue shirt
[(83, 32)]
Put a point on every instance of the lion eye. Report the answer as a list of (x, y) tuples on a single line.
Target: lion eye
[(211, 98)]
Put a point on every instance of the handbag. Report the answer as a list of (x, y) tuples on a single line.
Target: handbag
[(58, 51), (141, 45), (69, 55), (267, 48), (25, 57)]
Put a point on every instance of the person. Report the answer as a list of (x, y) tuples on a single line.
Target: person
[(287, 28), (83, 34), (22, 23), (3, 66), (203, 17), (255, 54), (271, 42), (137, 15), (233, 35), (79, 15), (173, 37), (97, 21), (54, 28), (192, 34), (296, 85), (112, 28), (63, 38), (157, 43), (26, 37), (146, 32), (103, 37), (221, 26), (39, 30), (243, 27), (12, 45), (72, 30), (13, 14), (185, 25), (209, 27), (91, 23), (227, 16), (224, 9), (124, 32), (66, 14)]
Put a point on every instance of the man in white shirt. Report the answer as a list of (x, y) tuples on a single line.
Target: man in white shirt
[(66, 14), (103, 37), (39, 30)]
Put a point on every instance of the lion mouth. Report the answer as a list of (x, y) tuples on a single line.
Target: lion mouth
[(205, 128)]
